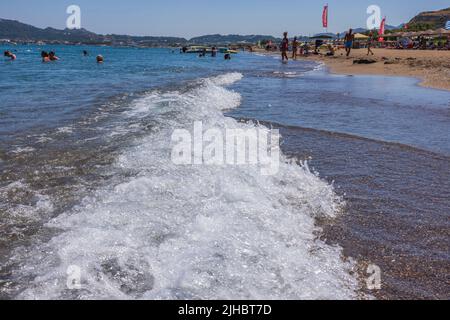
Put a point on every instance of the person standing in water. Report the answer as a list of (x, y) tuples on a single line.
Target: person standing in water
[(294, 48), (349, 38), (100, 59), (284, 47), (10, 55)]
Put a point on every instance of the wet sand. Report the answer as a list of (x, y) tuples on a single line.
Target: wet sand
[(397, 204), (431, 66)]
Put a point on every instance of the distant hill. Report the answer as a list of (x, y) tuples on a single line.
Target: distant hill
[(17, 31), (434, 18), (10, 29)]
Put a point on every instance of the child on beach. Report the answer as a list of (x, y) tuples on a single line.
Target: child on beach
[(294, 48), (370, 44), (285, 47), (349, 38)]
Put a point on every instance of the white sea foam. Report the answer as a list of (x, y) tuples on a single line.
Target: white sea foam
[(195, 232), (65, 130), (37, 206), (19, 150)]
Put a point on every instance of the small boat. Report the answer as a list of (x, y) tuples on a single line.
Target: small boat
[(198, 49), (209, 50), (227, 50)]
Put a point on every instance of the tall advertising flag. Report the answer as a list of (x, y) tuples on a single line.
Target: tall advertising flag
[(325, 17), (382, 29)]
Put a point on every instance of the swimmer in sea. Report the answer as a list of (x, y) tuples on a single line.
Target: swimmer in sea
[(202, 54), (100, 59), (85, 53), (52, 56), (10, 55), (45, 56), (227, 56)]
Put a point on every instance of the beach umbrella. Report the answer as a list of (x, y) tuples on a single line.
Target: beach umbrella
[(396, 35), (391, 35), (427, 33), (360, 36), (322, 36), (443, 31), (409, 34), (438, 32)]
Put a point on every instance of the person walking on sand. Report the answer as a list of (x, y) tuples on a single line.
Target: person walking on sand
[(285, 48), (370, 44), (294, 48), (349, 38)]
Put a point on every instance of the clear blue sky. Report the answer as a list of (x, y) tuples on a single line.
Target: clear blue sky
[(188, 18)]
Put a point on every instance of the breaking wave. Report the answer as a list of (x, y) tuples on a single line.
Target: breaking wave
[(162, 231)]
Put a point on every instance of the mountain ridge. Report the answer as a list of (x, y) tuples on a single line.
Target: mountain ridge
[(18, 31)]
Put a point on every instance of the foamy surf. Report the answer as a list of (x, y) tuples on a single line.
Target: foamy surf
[(193, 232)]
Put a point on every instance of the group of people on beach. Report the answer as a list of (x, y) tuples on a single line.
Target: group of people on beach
[(299, 49), (285, 48), (50, 56)]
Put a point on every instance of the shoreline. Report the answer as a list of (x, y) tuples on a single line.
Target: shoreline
[(430, 68)]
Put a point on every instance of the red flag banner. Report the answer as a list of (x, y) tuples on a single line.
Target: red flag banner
[(325, 17), (382, 29)]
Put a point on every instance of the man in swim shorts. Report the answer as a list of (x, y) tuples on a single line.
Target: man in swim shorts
[(349, 38)]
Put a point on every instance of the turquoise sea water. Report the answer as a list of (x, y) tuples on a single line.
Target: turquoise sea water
[(87, 180)]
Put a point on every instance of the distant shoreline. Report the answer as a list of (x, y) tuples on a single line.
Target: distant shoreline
[(432, 68)]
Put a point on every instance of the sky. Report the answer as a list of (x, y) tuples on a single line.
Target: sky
[(190, 18)]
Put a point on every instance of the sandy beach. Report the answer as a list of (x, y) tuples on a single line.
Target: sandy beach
[(432, 67)]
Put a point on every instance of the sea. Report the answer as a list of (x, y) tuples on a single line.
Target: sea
[(92, 206)]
